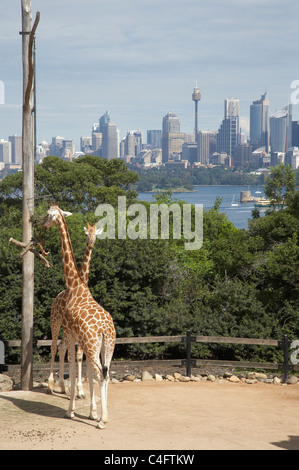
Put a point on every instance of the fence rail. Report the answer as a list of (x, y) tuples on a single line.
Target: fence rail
[(189, 362)]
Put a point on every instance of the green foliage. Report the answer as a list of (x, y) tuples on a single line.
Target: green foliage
[(241, 283), (280, 185)]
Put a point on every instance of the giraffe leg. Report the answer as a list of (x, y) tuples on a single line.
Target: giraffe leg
[(55, 333), (62, 350), (72, 367), (103, 377), (93, 407), (80, 393)]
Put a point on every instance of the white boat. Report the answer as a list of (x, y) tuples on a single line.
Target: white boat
[(233, 202)]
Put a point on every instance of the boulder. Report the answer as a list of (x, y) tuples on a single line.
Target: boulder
[(170, 378), (211, 378), (158, 378), (146, 376), (129, 378), (292, 380), (6, 383), (234, 379), (177, 376)]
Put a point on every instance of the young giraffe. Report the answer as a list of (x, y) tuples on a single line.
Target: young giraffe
[(57, 312), (84, 321)]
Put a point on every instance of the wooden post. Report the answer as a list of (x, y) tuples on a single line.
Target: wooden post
[(28, 198)]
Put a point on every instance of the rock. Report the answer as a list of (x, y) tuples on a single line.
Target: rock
[(158, 378), (276, 381), (267, 381), (211, 378), (129, 378), (196, 378), (114, 380), (146, 376), (251, 375), (185, 379), (292, 380), (6, 383), (260, 375), (234, 379), (251, 381), (177, 376), (227, 375), (170, 378)]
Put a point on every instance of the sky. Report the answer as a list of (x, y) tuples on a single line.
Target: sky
[(138, 60)]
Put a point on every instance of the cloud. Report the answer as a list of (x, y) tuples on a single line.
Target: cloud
[(139, 60)]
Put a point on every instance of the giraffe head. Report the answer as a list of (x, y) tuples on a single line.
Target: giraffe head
[(91, 233), (52, 217)]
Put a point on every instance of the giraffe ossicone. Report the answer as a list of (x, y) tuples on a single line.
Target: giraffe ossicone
[(85, 321)]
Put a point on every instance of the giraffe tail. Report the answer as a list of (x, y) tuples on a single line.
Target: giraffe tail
[(105, 369)]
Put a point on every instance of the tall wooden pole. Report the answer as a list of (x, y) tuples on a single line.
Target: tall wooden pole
[(28, 198)]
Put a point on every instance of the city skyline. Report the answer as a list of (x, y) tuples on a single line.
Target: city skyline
[(129, 60)]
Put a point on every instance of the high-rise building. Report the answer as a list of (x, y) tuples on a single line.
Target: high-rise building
[(104, 120), (292, 157), (206, 146), (86, 144), (5, 151), (16, 149), (259, 123), (110, 145), (68, 149), (171, 123), (281, 130), (231, 107), (172, 138), (228, 136), (242, 155), (154, 138), (130, 149), (189, 152), (295, 134), (56, 146), (138, 141)]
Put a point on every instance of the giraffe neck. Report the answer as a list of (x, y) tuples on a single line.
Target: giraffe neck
[(70, 270), (84, 270)]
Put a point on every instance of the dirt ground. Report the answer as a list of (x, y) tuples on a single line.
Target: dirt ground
[(157, 416)]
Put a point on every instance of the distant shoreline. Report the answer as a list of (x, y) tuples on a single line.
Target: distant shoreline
[(182, 190)]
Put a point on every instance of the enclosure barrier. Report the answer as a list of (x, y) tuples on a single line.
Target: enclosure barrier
[(284, 344)]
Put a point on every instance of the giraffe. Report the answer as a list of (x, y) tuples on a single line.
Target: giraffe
[(57, 312), (84, 321)]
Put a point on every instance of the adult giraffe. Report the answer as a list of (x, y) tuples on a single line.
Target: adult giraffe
[(84, 321), (57, 312)]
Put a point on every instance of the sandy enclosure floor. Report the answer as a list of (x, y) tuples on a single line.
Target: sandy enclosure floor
[(157, 416)]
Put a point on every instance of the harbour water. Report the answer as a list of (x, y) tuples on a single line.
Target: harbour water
[(206, 195)]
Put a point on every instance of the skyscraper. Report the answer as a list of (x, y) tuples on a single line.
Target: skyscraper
[(295, 134), (110, 147), (154, 138), (228, 136), (259, 123), (281, 130), (171, 123), (16, 149), (172, 138), (205, 146), (5, 151)]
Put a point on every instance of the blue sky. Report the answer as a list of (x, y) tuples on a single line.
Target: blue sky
[(142, 59)]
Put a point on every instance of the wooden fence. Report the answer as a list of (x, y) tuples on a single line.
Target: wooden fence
[(189, 362)]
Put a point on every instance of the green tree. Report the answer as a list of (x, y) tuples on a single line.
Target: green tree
[(280, 185)]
